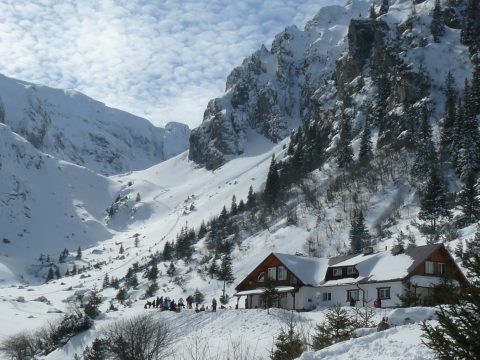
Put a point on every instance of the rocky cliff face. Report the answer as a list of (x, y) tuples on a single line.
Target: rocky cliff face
[(344, 64), (270, 92), (78, 129)]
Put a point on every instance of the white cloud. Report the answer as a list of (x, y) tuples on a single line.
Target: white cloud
[(159, 59)]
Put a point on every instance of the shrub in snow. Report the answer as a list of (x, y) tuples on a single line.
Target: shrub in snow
[(139, 337), (19, 347)]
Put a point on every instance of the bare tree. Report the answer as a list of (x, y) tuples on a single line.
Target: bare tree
[(19, 346), (141, 337)]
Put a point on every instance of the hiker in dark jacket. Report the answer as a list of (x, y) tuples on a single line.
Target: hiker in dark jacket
[(214, 305)]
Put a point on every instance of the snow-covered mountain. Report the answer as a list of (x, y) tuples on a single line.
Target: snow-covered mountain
[(322, 77), (73, 127)]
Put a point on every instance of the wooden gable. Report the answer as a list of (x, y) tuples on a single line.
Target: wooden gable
[(440, 256), (271, 261)]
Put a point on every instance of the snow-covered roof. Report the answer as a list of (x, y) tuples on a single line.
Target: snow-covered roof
[(309, 270), (258, 291)]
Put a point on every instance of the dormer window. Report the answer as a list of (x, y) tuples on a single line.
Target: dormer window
[(282, 273), (337, 272), (261, 277), (351, 270)]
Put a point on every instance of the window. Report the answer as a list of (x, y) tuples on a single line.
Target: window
[(352, 294), (337, 272), (351, 270), (442, 268), (282, 273), (326, 296), (293, 280), (261, 277), (272, 273), (383, 293), (429, 269)]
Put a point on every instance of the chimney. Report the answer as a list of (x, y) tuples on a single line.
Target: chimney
[(397, 249)]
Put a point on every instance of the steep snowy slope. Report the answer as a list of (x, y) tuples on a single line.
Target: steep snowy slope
[(73, 127), (46, 205)]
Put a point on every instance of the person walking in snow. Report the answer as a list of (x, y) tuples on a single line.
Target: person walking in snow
[(189, 301), (180, 304), (214, 305), (377, 303)]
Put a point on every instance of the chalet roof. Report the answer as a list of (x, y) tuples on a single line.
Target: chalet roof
[(381, 266), (309, 270), (421, 253)]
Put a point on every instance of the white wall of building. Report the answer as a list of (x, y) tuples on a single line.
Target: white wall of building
[(338, 294)]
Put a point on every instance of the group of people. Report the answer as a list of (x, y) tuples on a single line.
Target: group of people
[(165, 303)]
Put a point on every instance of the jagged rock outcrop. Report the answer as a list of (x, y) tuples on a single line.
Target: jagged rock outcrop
[(343, 65)]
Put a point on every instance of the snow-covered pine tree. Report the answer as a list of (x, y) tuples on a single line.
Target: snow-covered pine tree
[(372, 15), (448, 125), (425, 155), (234, 206), (437, 26), (365, 153), (251, 198), (272, 184), (344, 148), (433, 204), (470, 34), (468, 199), (359, 236), (468, 157)]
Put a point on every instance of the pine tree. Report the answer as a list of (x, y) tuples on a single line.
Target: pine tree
[(122, 250), (359, 236), (289, 344), (241, 206), (92, 307), (202, 231), (168, 250), (213, 269), (425, 156), (171, 270), (225, 273), (96, 352), (251, 198), (153, 272), (270, 294), (57, 272), (233, 206), (468, 199), (476, 85), (433, 203), (365, 153), (79, 253), (106, 281), (458, 328), (384, 7), (338, 326), (121, 294), (344, 148), (50, 275), (470, 34), (468, 158), (272, 185), (448, 126), (151, 289), (437, 26)]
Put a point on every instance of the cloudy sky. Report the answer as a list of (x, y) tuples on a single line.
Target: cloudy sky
[(160, 59)]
